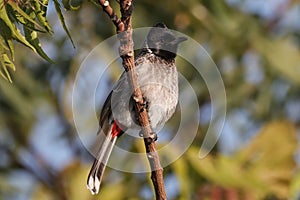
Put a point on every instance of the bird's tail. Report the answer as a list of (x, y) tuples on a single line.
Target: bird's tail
[(99, 165)]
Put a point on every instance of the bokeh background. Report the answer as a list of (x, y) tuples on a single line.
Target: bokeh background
[(255, 45)]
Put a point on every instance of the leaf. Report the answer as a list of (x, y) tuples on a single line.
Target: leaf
[(6, 63), (10, 45), (4, 76), (10, 29), (41, 12), (271, 156), (32, 37), (294, 191), (20, 98), (42, 192), (181, 171), (179, 167), (280, 134), (282, 54), (74, 176), (3, 45), (263, 167), (62, 20), (22, 15)]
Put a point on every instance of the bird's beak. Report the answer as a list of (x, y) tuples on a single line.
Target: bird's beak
[(181, 39)]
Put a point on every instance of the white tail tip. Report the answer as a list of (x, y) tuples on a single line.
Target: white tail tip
[(93, 185)]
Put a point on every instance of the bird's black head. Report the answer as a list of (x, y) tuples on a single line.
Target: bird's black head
[(162, 42)]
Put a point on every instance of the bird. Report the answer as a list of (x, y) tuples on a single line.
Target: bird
[(157, 78)]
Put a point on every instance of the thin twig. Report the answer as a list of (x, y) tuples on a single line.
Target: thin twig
[(112, 15), (124, 28)]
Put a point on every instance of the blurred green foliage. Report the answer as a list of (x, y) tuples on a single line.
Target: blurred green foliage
[(31, 15), (259, 60)]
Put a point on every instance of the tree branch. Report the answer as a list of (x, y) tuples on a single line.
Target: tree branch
[(112, 15), (124, 28)]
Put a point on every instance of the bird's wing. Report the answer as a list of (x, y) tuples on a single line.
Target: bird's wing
[(106, 111), (106, 116)]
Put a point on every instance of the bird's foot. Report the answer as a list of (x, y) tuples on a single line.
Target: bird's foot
[(152, 138), (145, 105)]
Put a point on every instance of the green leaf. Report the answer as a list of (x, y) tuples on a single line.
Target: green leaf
[(6, 63), (62, 20), (253, 169), (180, 169), (32, 37), (282, 55), (4, 76), (7, 45), (10, 45), (11, 30), (294, 189), (12, 13), (41, 12), (277, 138), (3, 44), (22, 16)]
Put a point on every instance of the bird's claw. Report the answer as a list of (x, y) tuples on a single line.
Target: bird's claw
[(152, 137), (145, 105)]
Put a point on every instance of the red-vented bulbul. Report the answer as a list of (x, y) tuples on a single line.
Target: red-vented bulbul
[(158, 80)]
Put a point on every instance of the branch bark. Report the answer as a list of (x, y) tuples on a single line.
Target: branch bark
[(124, 29)]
